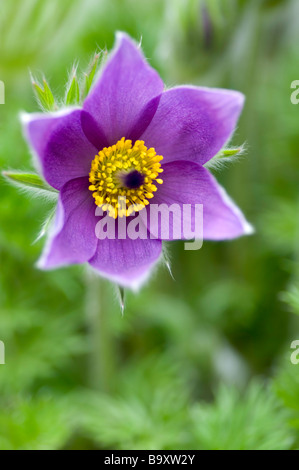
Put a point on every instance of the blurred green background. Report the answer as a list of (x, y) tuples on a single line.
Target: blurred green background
[(199, 362)]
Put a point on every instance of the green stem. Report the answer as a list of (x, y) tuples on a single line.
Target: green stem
[(100, 370)]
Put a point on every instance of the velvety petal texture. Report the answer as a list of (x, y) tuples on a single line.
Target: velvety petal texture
[(193, 124), (63, 150), (121, 97), (186, 125), (126, 261), (72, 239), (188, 183)]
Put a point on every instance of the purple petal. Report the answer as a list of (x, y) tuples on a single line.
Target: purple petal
[(193, 123), (93, 131), (72, 239), (188, 183), (63, 149), (119, 100), (127, 262)]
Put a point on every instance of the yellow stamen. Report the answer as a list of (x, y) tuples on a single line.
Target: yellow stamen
[(109, 172)]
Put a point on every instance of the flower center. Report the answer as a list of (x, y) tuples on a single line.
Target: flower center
[(125, 171), (134, 179)]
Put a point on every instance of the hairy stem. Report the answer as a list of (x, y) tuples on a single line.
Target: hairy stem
[(101, 362)]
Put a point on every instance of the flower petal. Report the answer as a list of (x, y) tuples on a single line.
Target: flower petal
[(127, 262), (72, 238), (188, 183), (63, 150), (118, 101), (193, 123)]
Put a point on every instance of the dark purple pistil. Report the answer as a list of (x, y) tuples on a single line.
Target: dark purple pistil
[(133, 180)]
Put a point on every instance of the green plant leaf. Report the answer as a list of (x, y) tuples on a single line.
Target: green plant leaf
[(73, 93), (44, 95), (28, 180), (121, 297), (224, 156), (89, 76)]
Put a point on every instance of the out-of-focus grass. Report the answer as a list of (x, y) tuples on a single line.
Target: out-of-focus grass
[(186, 350)]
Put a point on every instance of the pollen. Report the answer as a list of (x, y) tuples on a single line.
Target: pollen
[(124, 177)]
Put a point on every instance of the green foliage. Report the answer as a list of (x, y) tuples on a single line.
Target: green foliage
[(77, 87), (149, 409), (227, 155), (254, 421), (291, 298), (91, 73), (38, 424), (73, 90), (29, 180), (44, 95), (78, 374)]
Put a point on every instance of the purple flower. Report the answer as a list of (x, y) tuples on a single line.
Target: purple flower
[(114, 146)]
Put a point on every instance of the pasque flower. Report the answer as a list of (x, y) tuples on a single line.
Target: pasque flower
[(136, 139)]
